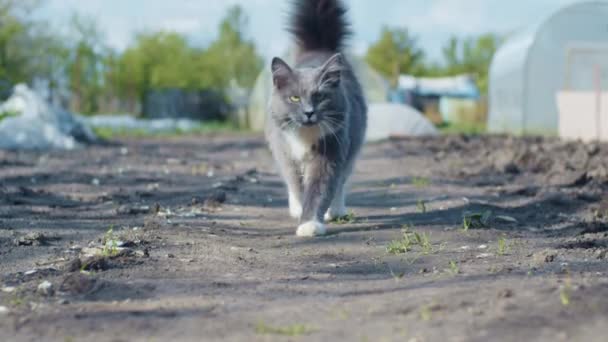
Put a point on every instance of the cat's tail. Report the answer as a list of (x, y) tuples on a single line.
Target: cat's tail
[(319, 25)]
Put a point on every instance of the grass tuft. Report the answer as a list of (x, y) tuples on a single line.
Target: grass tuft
[(475, 220), (346, 219), (290, 330), (408, 240)]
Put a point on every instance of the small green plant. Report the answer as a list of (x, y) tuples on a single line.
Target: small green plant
[(396, 276), (424, 242), (110, 243), (403, 245), (454, 269), (346, 219), (475, 220), (408, 240), (421, 182), (502, 246), (421, 206), (291, 330), (426, 313), (565, 291)]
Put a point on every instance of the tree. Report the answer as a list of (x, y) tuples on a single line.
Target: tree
[(85, 69), (232, 53), (395, 53), (472, 55)]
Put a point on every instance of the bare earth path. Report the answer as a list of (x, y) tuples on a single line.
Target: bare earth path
[(202, 249)]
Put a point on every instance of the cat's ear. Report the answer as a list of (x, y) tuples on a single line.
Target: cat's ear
[(331, 71), (281, 73)]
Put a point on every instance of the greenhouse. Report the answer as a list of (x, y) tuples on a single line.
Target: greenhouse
[(565, 51)]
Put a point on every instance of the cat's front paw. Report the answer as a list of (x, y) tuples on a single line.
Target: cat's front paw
[(310, 229)]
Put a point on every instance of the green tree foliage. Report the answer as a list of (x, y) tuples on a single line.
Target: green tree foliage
[(85, 65), (471, 55), (396, 53), (232, 53), (27, 49), (158, 60)]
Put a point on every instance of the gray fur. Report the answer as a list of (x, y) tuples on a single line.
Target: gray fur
[(315, 141)]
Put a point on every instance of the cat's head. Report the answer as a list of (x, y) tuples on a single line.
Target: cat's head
[(308, 97)]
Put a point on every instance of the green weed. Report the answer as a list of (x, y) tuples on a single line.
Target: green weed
[(475, 220), (408, 240), (290, 330), (454, 269), (346, 219), (421, 182), (421, 206), (502, 246), (110, 243)]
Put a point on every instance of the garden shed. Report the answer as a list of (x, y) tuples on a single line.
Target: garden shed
[(565, 51)]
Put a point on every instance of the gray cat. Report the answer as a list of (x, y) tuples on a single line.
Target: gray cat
[(317, 115)]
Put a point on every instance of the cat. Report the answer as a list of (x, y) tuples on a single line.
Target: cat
[(317, 115)]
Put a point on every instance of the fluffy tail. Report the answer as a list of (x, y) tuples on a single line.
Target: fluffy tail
[(319, 25)]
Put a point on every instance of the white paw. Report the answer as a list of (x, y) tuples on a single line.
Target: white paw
[(311, 228), (295, 210), (335, 213)]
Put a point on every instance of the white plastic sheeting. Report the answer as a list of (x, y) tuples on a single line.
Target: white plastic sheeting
[(560, 52), (387, 120), (38, 125)]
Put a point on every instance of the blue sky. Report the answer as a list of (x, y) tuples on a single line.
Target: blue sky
[(432, 20)]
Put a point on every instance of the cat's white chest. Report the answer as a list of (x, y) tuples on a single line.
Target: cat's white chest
[(301, 142)]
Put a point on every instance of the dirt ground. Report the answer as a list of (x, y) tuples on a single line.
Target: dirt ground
[(453, 239)]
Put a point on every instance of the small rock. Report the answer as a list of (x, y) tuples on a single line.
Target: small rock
[(601, 253), (124, 151), (91, 251), (77, 283), (31, 239), (482, 247), (170, 255), (73, 265), (63, 301), (3, 310), (8, 289), (95, 182), (95, 263), (483, 255), (465, 248), (132, 210), (215, 200), (544, 256), (507, 219), (142, 254), (30, 272), (506, 293), (46, 288)]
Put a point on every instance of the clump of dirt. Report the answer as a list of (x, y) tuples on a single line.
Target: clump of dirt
[(34, 239)]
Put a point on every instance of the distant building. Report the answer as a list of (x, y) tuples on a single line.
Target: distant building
[(567, 50), (441, 99)]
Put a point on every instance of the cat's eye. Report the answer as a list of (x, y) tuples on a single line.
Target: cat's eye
[(294, 99)]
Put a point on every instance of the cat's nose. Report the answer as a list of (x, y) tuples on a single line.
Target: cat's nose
[(309, 113)]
